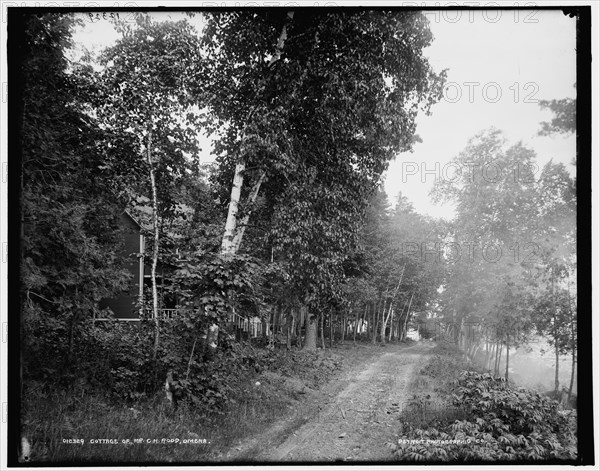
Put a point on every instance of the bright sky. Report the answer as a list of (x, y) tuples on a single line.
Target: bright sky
[(534, 53), (511, 60)]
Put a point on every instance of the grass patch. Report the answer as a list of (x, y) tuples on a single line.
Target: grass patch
[(150, 430), (430, 404)]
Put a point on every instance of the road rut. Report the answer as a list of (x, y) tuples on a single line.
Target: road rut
[(359, 415)]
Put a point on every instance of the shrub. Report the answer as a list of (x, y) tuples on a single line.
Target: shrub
[(503, 423)]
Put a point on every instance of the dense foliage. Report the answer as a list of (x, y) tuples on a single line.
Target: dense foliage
[(314, 105), (501, 423), (69, 207)]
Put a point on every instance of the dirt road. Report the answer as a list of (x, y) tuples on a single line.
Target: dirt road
[(352, 418)]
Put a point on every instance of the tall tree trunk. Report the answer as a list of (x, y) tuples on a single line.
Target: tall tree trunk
[(571, 382), (405, 329), (272, 331), (555, 334), (155, 245), (331, 329), (382, 323), (370, 319), (241, 227), (385, 321), (301, 317), (497, 360), (232, 236), (232, 240), (487, 353), (556, 368), (375, 322), (321, 326), (364, 319), (356, 324), (310, 341), (399, 338), (227, 243), (390, 312), (288, 331), (507, 357)]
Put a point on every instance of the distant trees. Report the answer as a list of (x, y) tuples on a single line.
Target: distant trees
[(556, 316), (564, 120), (401, 271), (517, 227)]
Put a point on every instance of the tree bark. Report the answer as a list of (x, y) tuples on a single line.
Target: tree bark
[(572, 381), (507, 357), (310, 340), (375, 322), (557, 368), (289, 323), (301, 312), (369, 319), (395, 293), (364, 319), (382, 325), (227, 243), (497, 360), (385, 323), (241, 228), (155, 246), (356, 324), (404, 330), (322, 322), (272, 326), (555, 334), (487, 353), (331, 329), (399, 338)]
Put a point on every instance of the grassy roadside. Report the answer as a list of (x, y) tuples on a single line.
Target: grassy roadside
[(66, 426), (431, 389), (145, 431), (460, 413)]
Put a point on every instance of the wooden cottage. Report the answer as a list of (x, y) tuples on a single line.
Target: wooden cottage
[(127, 305)]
